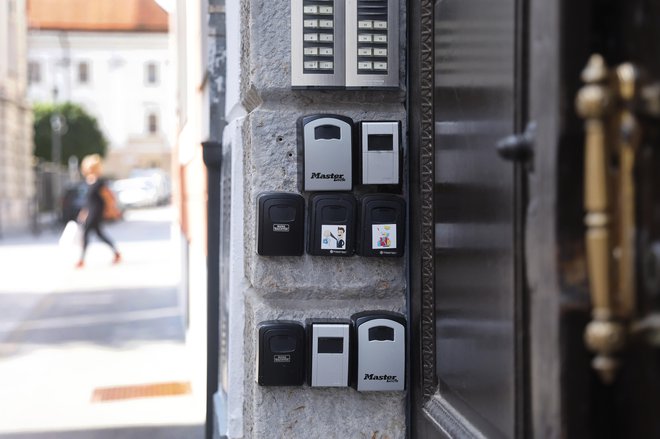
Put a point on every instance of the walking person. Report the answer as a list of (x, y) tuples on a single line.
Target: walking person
[(99, 200)]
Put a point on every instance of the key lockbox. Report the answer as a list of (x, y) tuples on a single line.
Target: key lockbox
[(280, 224), (325, 153), (380, 152), (281, 353), (328, 350), (379, 351), (331, 224), (345, 43), (382, 222)]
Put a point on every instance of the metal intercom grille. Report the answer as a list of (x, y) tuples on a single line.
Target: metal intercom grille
[(372, 44), (318, 36)]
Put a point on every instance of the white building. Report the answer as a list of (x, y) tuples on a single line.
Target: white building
[(111, 57), (16, 175)]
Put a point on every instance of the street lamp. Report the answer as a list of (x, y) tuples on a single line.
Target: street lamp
[(58, 128)]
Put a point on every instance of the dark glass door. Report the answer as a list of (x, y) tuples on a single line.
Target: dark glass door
[(476, 207)]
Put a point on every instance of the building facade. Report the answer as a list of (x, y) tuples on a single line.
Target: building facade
[(16, 166), (113, 59)]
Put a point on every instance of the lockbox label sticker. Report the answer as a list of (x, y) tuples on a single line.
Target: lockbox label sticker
[(333, 237), (282, 358), (383, 236), (281, 228)]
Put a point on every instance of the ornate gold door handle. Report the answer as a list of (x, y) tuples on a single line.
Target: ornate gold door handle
[(612, 131)]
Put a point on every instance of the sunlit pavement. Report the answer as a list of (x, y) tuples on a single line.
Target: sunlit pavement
[(65, 332)]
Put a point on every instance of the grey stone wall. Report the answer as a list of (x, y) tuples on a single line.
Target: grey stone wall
[(298, 288)]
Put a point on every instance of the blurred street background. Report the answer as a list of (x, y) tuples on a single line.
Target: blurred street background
[(72, 335)]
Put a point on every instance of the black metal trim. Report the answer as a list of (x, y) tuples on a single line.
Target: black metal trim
[(427, 184)]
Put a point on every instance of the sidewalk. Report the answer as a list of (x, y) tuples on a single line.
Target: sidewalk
[(67, 333)]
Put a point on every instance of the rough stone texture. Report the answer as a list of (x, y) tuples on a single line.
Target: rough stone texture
[(304, 412), (299, 288), (271, 165)]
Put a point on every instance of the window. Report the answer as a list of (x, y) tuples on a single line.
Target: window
[(34, 72), (151, 73), (152, 123), (83, 73)]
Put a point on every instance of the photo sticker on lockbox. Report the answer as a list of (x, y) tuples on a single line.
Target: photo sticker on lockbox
[(333, 237), (383, 236)]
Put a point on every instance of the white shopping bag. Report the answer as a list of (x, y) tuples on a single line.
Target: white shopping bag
[(72, 236)]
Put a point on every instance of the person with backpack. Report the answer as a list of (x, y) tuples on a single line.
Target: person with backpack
[(100, 205)]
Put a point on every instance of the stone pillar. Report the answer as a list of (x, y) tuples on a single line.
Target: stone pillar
[(298, 288)]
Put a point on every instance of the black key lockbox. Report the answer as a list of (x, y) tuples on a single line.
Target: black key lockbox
[(280, 224), (281, 353), (382, 225), (331, 224)]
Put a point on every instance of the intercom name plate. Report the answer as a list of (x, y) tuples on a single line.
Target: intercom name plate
[(317, 43), (372, 43)]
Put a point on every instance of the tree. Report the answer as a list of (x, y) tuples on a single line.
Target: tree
[(81, 137)]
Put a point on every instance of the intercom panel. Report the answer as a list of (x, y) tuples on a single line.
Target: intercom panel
[(317, 43), (344, 43), (372, 42)]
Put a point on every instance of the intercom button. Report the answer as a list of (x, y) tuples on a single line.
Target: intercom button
[(326, 24), (311, 64), (327, 38), (312, 24), (365, 51), (326, 51), (380, 24), (380, 66), (365, 24), (380, 52), (365, 38), (311, 9), (311, 50), (326, 10), (312, 37), (380, 38), (326, 65), (365, 65)]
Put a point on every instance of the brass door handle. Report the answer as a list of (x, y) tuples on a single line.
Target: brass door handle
[(605, 103)]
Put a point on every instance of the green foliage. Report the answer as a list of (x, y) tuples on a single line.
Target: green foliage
[(82, 135)]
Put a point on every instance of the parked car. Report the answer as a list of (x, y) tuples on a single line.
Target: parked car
[(159, 179), (136, 192)]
